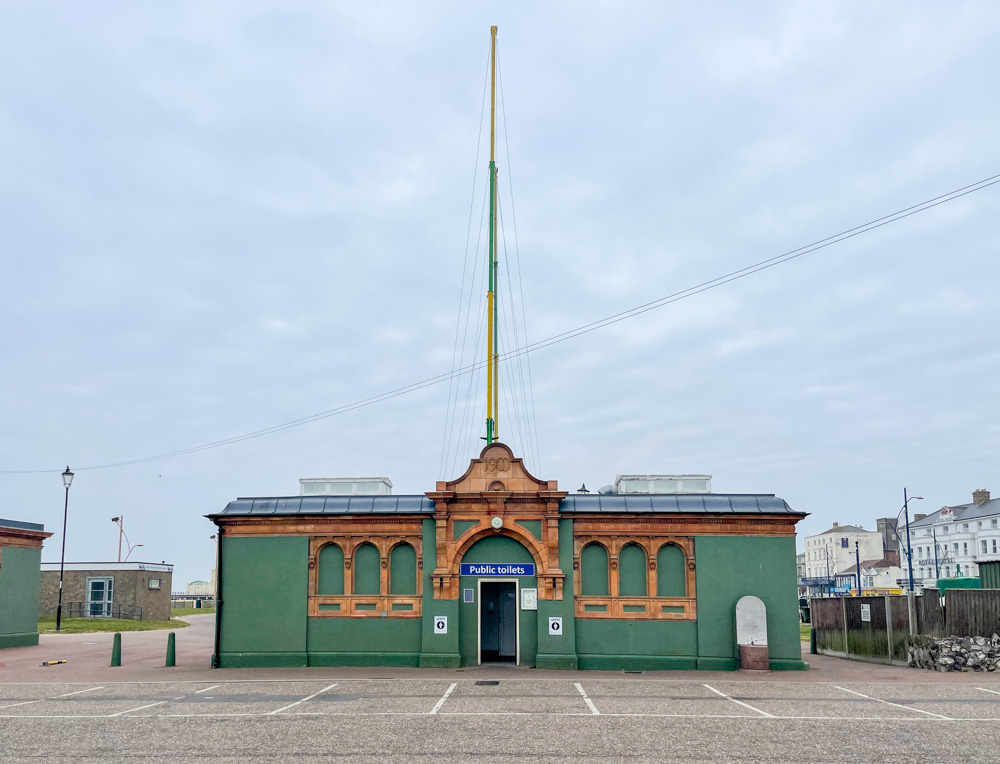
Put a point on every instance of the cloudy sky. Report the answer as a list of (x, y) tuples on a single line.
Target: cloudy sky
[(218, 218)]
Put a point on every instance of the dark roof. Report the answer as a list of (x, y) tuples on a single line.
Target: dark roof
[(328, 505), (878, 564), (960, 512), (21, 525), (710, 503), (845, 529)]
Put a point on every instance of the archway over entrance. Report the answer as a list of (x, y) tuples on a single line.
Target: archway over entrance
[(493, 627)]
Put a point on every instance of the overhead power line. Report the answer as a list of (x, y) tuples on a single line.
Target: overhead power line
[(563, 336)]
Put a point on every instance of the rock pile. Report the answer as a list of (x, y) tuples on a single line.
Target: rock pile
[(954, 653)]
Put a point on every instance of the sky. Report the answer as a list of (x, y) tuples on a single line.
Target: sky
[(216, 218)]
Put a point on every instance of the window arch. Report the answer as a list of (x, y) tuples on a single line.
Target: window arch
[(670, 572), (632, 571), (330, 578), (403, 570), (367, 577), (594, 571)]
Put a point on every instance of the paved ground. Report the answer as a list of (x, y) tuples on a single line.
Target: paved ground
[(843, 711)]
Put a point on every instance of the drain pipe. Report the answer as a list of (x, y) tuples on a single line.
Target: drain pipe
[(216, 660)]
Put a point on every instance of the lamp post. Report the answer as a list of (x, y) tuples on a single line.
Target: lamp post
[(937, 568), (857, 562), (120, 521), (909, 549), (67, 477)]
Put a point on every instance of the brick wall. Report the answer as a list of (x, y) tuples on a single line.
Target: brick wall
[(131, 587)]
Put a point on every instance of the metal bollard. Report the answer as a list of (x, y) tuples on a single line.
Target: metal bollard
[(116, 650), (171, 650)]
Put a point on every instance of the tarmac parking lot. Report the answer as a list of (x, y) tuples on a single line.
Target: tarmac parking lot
[(506, 719), (840, 711)]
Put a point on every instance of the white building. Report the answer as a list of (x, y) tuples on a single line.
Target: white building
[(954, 540), (202, 588), (833, 551), (879, 575)]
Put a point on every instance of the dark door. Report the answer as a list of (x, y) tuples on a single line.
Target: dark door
[(498, 622)]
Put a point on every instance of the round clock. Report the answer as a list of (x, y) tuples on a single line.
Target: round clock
[(497, 523)]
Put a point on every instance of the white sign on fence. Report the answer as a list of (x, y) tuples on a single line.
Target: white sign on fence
[(866, 612)]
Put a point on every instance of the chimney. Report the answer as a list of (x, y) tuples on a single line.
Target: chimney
[(835, 525), (892, 555), (980, 496)]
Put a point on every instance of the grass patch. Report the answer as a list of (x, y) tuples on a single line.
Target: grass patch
[(805, 631), (176, 611), (88, 625)]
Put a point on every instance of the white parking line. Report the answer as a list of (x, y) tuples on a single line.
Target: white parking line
[(985, 690), (160, 703), (739, 702), (79, 691), (24, 703), (890, 703), (292, 705), (198, 692), (588, 701), (449, 691)]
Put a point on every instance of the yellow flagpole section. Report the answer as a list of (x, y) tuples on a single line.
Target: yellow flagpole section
[(492, 381)]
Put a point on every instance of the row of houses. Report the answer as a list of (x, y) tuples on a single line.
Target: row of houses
[(950, 543)]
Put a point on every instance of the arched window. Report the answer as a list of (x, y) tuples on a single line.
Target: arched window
[(367, 579), (403, 570), (632, 571), (594, 571), (670, 574), (330, 576)]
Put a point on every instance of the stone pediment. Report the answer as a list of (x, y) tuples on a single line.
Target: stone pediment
[(496, 471)]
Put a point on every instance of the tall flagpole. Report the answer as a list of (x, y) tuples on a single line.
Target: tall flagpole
[(492, 374)]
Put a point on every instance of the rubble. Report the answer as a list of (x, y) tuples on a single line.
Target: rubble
[(954, 653)]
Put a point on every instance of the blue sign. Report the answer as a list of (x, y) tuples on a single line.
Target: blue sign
[(497, 569)]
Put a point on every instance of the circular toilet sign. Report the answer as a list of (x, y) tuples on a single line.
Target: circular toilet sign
[(440, 624)]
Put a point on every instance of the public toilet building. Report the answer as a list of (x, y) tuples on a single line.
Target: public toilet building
[(499, 566), (20, 555)]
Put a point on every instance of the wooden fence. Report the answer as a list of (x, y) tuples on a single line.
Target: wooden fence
[(876, 628)]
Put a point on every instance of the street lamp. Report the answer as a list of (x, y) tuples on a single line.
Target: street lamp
[(909, 555), (67, 477), (120, 521)]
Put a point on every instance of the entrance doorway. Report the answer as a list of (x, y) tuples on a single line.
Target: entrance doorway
[(497, 621)]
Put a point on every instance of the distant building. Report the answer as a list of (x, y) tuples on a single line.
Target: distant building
[(954, 540), (888, 527), (202, 588), (880, 576), (800, 572), (833, 551), (345, 486), (135, 590)]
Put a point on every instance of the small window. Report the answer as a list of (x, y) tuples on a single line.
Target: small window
[(983, 545), (155, 583), (965, 526), (944, 530), (965, 547), (979, 524), (994, 546), (993, 523)]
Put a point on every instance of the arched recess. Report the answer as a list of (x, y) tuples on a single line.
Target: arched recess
[(546, 585), (367, 578), (632, 571), (594, 579), (671, 571), (330, 576), (403, 569)]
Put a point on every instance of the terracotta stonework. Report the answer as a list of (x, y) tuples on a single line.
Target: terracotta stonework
[(497, 485)]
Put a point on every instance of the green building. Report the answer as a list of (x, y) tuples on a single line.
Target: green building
[(498, 566), (20, 581)]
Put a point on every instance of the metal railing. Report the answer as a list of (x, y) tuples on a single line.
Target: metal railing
[(101, 610)]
